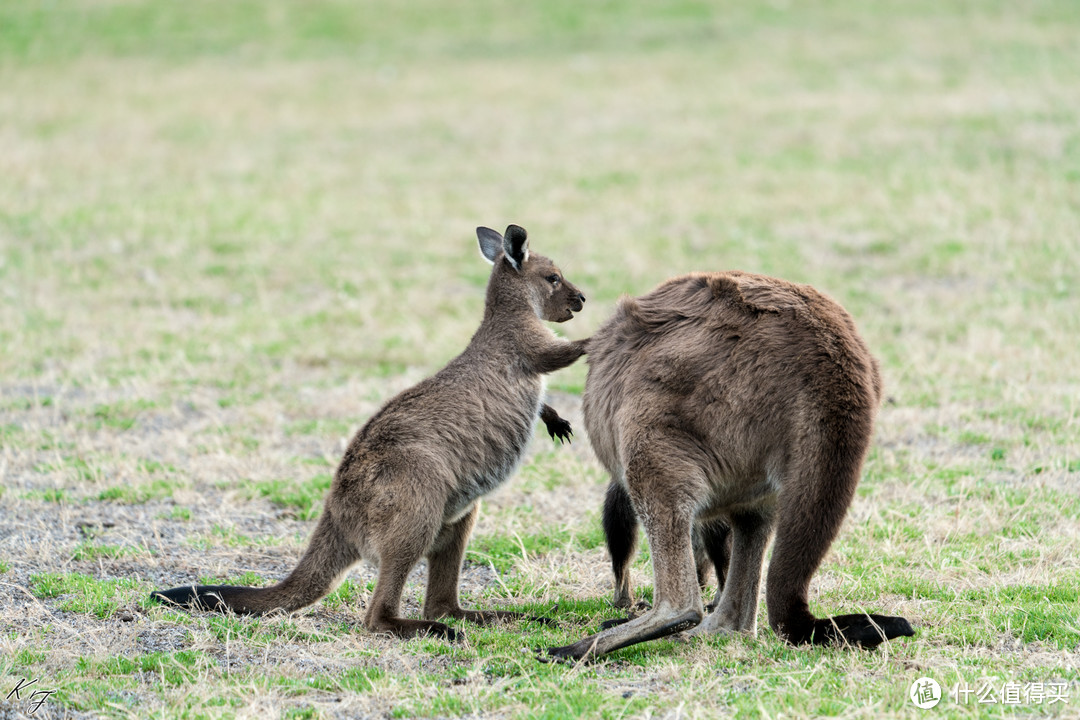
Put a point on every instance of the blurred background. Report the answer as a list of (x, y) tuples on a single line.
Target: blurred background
[(208, 191)]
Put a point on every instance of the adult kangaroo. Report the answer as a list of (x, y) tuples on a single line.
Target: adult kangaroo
[(744, 398), (410, 479)]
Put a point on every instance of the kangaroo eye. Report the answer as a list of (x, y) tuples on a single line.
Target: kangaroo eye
[(553, 279)]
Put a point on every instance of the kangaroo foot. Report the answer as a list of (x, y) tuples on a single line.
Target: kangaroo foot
[(614, 622), (863, 630), (634, 610), (623, 635)]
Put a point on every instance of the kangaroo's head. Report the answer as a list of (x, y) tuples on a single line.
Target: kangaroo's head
[(535, 277)]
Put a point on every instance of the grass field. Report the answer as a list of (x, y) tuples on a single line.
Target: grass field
[(230, 231)]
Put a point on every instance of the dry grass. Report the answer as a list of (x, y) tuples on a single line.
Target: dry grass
[(228, 234)]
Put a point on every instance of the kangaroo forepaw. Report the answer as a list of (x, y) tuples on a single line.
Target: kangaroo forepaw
[(559, 430), (860, 629)]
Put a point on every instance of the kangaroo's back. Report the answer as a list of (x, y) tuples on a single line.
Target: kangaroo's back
[(738, 359)]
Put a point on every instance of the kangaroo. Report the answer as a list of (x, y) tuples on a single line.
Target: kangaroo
[(408, 484), (741, 397)]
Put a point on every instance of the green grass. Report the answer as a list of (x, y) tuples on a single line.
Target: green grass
[(503, 551), (119, 416), (78, 593), (230, 231), (91, 551), (179, 668), (178, 513), (303, 498), (141, 493)]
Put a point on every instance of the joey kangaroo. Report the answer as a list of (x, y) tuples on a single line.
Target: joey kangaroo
[(745, 398), (409, 482)]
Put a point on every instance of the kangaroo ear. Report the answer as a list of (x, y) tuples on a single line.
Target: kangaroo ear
[(516, 246), (491, 243)]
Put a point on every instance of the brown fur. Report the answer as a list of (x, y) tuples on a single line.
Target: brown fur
[(408, 485), (711, 543), (744, 398)]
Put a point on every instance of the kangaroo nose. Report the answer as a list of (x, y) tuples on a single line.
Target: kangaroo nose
[(581, 297)]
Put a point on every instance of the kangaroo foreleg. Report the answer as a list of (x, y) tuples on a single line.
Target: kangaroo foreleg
[(557, 356)]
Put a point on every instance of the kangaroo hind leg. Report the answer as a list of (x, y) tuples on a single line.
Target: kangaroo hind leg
[(665, 495), (810, 510), (737, 605), (712, 544), (444, 573), (404, 538)]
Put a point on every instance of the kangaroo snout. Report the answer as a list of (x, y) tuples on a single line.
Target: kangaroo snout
[(566, 300)]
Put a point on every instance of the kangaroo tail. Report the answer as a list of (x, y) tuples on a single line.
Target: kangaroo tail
[(329, 555)]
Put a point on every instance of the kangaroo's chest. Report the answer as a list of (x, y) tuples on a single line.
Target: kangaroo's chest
[(500, 442)]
